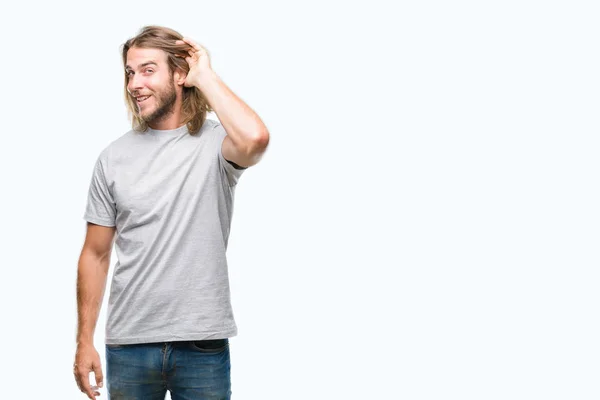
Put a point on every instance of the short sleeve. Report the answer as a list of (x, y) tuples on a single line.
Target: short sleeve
[(101, 207), (227, 168)]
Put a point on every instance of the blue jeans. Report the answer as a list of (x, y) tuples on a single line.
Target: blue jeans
[(198, 370)]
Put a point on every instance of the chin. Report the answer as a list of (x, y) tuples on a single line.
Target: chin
[(145, 114)]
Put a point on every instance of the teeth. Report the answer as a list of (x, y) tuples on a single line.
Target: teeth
[(142, 98)]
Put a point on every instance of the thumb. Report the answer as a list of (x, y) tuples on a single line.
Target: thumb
[(97, 368)]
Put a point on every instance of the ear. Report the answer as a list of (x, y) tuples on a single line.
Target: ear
[(179, 77)]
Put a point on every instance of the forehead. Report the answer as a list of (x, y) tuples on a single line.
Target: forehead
[(137, 56)]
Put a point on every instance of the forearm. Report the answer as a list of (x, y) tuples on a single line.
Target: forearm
[(91, 283), (241, 123)]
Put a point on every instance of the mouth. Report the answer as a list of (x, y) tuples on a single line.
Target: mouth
[(141, 99)]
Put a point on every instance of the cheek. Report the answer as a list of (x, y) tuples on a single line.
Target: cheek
[(157, 82)]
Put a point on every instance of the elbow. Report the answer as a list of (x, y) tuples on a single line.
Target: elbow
[(254, 145), (252, 153), (259, 142)]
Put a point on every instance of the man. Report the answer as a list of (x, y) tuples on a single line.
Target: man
[(166, 190)]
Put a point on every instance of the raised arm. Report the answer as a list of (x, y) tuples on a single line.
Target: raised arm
[(247, 136)]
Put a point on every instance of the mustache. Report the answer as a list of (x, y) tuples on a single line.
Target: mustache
[(137, 93)]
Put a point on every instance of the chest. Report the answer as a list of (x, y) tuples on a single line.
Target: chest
[(149, 184)]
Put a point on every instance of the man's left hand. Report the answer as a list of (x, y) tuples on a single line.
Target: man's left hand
[(199, 62)]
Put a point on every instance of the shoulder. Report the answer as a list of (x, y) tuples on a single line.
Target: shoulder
[(214, 133), (215, 127), (125, 139), (116, 146)]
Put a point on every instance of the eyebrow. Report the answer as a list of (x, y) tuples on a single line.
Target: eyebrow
[(127, 67)]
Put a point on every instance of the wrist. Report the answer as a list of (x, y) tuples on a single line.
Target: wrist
[(206, 79), (85, 341)]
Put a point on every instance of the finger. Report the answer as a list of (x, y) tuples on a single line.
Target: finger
[(78, 378), (84, 382), (98, 374), (182, 43), (192, 43), (90, 393), (77, 382)]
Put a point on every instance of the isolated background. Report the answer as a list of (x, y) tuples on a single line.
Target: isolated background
[(424, 225)]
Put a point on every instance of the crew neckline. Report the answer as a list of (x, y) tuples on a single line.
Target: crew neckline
[(168, 132)]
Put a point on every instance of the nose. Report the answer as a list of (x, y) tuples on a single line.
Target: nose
[(134, 83)]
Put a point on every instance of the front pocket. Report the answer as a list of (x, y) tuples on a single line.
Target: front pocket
[(210, 346)]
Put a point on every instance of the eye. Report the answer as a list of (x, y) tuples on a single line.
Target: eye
[(149, 70), (128, 73)]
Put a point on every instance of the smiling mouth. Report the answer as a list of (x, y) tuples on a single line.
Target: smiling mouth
[(141, 99)]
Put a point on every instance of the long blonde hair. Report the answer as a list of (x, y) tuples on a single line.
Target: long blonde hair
[(195, 106)]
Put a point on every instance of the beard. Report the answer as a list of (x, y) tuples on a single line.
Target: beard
[(165, 102)]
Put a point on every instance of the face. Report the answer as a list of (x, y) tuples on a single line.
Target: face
[(150, 84)]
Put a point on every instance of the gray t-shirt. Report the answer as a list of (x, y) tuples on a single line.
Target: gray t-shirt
[(170, 196)]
